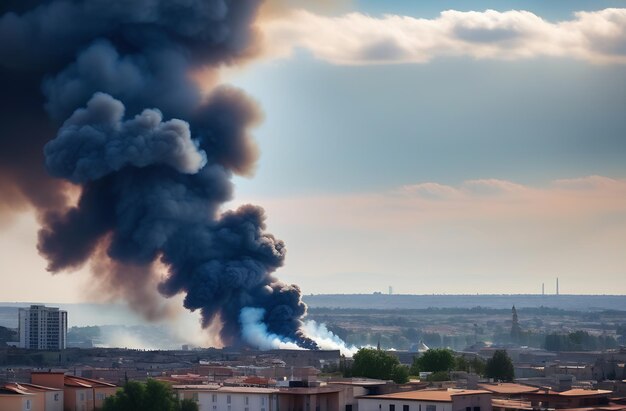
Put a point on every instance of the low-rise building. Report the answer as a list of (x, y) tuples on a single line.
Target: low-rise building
[(428, 400), (219, 398), (15, 399), (79, 393)]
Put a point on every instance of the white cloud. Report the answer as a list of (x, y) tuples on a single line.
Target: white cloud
[(356, 38)]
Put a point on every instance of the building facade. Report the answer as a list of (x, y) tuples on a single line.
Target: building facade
[(42, 328), (428, 400)]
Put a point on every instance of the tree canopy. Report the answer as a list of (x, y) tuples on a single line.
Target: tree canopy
[(500, 367), (151, 396), (434, 360), (373, 363)]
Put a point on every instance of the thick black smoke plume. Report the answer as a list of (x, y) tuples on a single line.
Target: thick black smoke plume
[(101, 93)]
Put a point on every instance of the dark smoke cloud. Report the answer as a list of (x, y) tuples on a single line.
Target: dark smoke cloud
[(106, 87)]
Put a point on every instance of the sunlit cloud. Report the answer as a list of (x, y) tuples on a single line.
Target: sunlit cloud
[(430, 236), (357, 39)]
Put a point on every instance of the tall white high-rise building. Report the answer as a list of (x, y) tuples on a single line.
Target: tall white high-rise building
[(43, 328)]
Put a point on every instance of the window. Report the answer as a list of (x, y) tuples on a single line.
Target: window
[(215, 407), (476, 408), (405, 408), (262, 400), (214, 398), (431, 408), (82, 396), (228, 400), (194, 396), (56, 397), (99, 396), (392, 407), (468, 408), (28, 404), (247, 400)]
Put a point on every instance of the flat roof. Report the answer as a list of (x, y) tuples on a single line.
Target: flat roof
[(359, 383), (579, 392), (508, 388), (217, 388), (309, 390), (427, 395)]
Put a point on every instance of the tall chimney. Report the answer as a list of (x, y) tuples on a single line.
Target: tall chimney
[(557, 285)]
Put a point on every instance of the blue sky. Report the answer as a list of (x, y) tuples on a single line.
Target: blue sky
[(550, 10), (337, 128), (543, 134)]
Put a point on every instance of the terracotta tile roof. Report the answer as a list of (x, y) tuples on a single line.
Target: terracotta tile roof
[(13, 389), (427, 395), (508, 388), (33, 387), (82, 382), (513, 404), (579, 392)]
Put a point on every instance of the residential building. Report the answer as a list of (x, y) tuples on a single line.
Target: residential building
[(219, 398), (45, 398), (15, 399), (428, 400), (79, 393), (42, 328)]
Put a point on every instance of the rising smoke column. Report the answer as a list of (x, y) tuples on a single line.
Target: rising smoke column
[(99, 94)]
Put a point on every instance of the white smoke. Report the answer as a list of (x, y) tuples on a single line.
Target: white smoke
[(254, 331), (326, 339)]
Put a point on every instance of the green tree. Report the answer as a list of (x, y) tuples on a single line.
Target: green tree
[(461, 364), (151, 396), (500, 367), (372, 363), (439, 376), (188, 405), (477, 366), (400, 374), (433, 360)]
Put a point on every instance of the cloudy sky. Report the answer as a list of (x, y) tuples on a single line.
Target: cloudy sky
[(433, 146)]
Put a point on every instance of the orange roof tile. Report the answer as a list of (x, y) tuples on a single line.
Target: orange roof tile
[(579, 392), (508, 388), (427, 395)]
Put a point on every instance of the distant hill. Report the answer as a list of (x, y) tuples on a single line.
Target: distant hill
[(403, 301), (117, 314)]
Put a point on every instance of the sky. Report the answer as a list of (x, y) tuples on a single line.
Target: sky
[(447, 147)]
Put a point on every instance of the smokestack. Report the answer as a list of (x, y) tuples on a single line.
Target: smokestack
[(113, 95), (557, 286), (390, 290), (543, 289)]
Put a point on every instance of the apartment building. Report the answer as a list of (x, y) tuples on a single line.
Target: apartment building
[(42, 328)]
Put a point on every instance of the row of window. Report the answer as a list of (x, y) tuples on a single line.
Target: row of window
[(228, 399), (392, 407)]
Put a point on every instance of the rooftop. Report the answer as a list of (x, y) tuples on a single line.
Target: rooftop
[(508, 388), (217, 388), (427, 395), (579, 392), (82, 382)]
